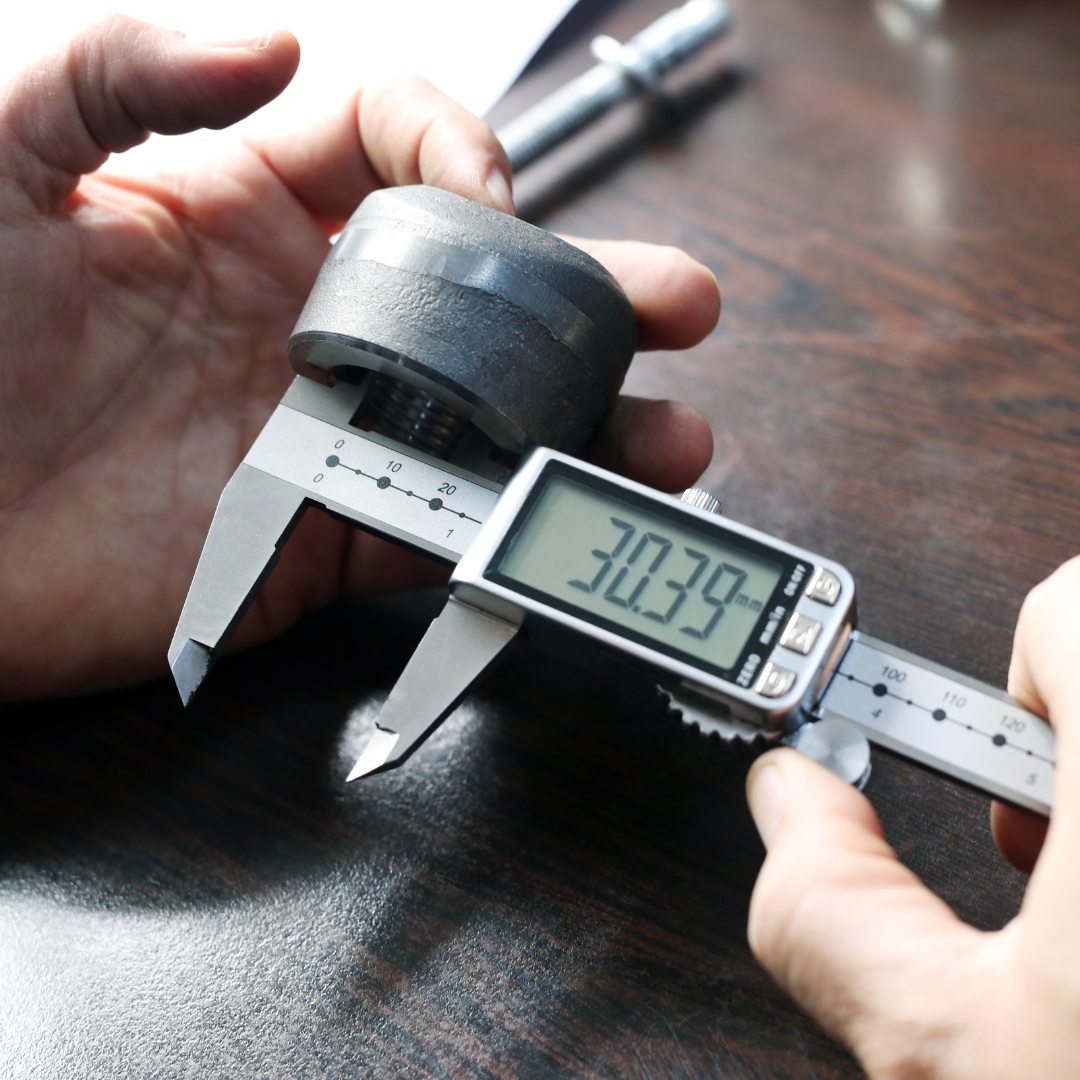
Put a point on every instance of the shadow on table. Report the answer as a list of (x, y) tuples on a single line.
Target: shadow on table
[(130, 786), (129, 795), (558, 851)]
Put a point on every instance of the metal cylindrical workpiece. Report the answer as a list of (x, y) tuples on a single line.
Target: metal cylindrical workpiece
[(504, 325)]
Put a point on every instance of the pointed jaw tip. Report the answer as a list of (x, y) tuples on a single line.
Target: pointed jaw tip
[(190, 668), (376, 755)]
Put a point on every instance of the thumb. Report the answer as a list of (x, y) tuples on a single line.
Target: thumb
[(114, 83), (854, 936)]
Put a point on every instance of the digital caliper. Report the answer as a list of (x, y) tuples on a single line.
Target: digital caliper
[(451, 360)]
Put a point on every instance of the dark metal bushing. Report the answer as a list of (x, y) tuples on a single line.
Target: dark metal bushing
[(511, 328)]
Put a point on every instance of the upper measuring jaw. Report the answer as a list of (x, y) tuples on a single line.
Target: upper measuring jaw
[(309, 455)]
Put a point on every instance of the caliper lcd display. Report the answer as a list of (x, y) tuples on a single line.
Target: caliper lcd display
[(664, 578)]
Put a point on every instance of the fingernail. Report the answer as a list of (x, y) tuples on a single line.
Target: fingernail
[(499, 190), (766, 791), (259, 42)]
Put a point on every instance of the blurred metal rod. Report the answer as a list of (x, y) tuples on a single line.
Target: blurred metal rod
[(624, 71)]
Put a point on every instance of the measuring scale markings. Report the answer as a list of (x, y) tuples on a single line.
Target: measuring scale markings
[(879, 689), (384, 482), (403, 490), (928, 713)]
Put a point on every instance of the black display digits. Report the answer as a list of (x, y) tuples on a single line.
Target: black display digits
[(607, 559), (681, 588), (665, 546), (715, 601), (640, 569), (740, 578)]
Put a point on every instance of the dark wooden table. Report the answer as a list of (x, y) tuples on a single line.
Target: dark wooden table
[(557, 884)]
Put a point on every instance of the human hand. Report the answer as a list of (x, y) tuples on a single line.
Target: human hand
[(884, 964), (143, 332)]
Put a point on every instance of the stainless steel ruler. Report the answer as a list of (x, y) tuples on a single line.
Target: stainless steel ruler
[(956, 725)]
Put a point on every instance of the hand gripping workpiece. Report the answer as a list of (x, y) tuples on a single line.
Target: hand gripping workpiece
[(440, 341)]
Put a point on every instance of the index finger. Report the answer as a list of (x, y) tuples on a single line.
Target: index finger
[(1042, 678), (402, 131), (1047, 633)]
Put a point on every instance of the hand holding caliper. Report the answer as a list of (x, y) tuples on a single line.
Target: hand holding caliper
[(885, 964), (145, 327)]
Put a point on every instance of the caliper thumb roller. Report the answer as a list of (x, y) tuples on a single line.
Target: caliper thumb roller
[(441, 340)]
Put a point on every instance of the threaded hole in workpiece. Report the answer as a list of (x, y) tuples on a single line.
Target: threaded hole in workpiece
[(411, 416)]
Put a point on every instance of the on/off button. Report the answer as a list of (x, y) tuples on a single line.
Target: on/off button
[(824, 587)]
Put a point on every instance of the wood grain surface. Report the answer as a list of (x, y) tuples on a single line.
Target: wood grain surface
[(556, 885)]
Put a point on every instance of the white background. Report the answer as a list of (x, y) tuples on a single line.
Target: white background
[(471, 49)]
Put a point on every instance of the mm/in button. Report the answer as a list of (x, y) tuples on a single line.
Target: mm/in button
[(800, 634)]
